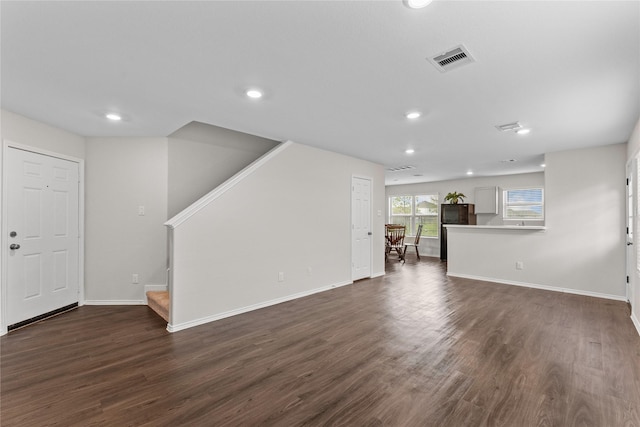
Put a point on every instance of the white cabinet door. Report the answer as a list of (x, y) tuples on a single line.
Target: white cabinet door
[(486, 200)]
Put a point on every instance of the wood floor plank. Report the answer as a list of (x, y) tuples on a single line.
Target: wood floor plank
[(412, 348)]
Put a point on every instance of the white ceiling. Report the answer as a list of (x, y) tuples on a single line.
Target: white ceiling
[(337, 75)]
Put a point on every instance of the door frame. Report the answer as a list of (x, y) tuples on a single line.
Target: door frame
[(630, 206), (4, 233), (370, 179), (632, 271)]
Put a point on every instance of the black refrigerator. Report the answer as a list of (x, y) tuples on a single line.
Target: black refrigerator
[(461, 213)]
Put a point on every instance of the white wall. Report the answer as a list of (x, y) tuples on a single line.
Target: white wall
[(291, 214), (583, 248), (633, 147), (203, 156), (125, 173), (22, 130), (121, 175), (431, 246)]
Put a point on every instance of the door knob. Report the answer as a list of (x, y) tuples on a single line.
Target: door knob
[(14, 246), (629, 243)]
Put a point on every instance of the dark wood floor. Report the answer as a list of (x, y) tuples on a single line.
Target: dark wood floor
[(412, 348)]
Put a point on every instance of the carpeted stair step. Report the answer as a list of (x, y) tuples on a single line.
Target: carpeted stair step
[(158, 301)]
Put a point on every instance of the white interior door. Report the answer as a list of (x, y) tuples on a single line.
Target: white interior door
[(43, 228), (630, 229), (360, 228)]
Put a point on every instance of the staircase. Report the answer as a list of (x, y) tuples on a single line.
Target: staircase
[(158, 301)]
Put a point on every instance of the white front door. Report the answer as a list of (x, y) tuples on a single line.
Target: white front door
[(43, 234), (360, 228)]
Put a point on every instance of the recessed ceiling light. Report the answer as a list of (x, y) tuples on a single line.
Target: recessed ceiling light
[(416, 4), (469, 172), (113, 116), (523, 131), (413, 115), (543, 165), (254, 93), (409, 151)]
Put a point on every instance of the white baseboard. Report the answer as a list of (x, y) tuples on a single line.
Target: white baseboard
[(379, 274), (543, 287), (636, 322), (114, 302), (212, 318)]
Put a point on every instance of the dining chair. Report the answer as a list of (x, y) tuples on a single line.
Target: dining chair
[(414, 244), (394, 236)]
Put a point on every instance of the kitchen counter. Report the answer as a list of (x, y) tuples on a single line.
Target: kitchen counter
[(499, 227)]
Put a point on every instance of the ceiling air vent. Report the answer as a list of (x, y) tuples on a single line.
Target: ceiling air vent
[(453, 58), (509, 126), (400, 168)]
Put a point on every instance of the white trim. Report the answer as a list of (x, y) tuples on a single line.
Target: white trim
[(115, 302), (4, 253), (81, 234), (543, 287), (630, 260), (636, 323), (9, 143), (197, 322), (378, 274), (225, 186), (170, 271)]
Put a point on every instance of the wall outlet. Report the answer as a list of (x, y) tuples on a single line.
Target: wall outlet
[(141, 210), (134, 279), (281, 276), (519, 265), (309, 271)]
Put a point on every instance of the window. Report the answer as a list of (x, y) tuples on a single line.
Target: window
[(411, 211), (523, 203)]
